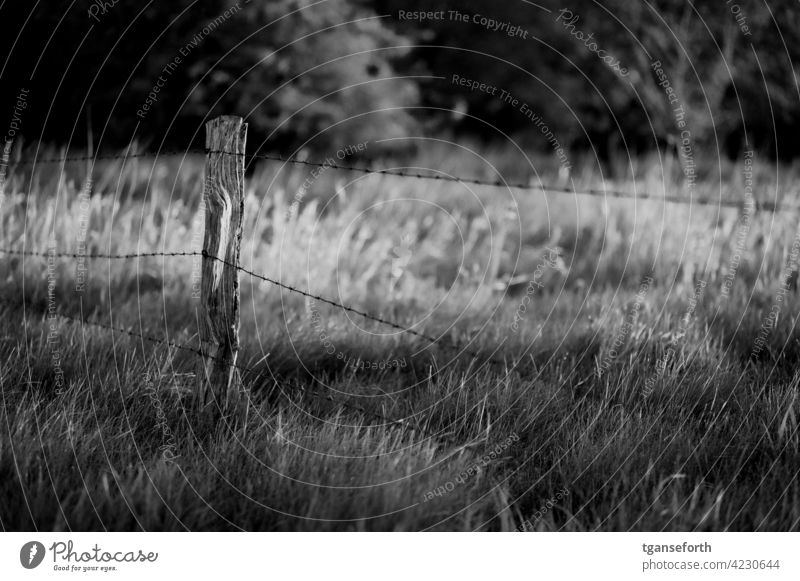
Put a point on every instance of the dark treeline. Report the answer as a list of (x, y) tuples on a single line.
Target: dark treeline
[(613, 76)]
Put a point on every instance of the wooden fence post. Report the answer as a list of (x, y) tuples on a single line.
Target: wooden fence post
[(219, 291)]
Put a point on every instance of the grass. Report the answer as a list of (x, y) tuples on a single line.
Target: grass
[(615, 410)]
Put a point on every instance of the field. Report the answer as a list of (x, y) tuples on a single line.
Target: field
[(639, 372)]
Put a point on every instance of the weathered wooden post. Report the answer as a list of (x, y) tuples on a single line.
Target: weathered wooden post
[(219, 291)]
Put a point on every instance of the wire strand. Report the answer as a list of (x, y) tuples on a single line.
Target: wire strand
[(375, 318), (199, 352), (765, 205)]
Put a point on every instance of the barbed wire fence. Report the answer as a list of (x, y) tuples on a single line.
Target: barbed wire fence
[(199, 352), (719, 201), (228, 133), (402, 423)]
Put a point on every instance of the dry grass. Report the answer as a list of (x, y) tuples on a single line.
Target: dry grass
[(712, 446)]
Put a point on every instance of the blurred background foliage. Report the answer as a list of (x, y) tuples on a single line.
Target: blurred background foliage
[(324, 74)]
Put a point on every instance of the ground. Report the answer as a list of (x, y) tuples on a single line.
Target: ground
[(638, 374)]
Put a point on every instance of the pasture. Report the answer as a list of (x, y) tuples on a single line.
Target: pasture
[(639, 372)]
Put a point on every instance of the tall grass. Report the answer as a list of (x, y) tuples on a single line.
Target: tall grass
[(652, 413)]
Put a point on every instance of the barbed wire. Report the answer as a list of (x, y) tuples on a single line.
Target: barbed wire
[(528, 186), (441, 341), (42, 254), (104, 157), (249, 272), (758, 205), (408, 173), (199, 353)]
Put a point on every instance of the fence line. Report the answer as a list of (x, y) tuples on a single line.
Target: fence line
[(199, 352), (105, 157), (226, 137), (596, 192), (91, 256), (375, 318), (404, 423), (256, 275), (758, 205)]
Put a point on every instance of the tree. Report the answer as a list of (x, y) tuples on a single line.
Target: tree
[(294, 70), (702, 46), (299, 72)]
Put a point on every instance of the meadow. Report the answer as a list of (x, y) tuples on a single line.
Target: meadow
[(599, 364)]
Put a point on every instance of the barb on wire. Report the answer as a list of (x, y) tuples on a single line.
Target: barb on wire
[(766, 205)]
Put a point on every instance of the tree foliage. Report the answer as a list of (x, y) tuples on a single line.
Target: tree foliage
[(337, 72), (731, 81), (296, 72)]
